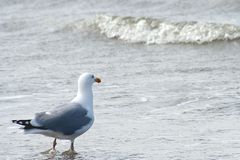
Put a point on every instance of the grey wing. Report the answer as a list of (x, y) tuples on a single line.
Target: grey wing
[(66, 119)]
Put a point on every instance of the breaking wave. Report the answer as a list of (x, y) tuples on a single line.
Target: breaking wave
[(155, 31)]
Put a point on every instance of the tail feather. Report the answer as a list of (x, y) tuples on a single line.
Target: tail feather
[(26, 124)]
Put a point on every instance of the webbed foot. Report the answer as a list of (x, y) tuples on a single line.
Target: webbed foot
[(49, 151), (70, 152)]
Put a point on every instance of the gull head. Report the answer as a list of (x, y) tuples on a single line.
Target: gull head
[(87, 79)]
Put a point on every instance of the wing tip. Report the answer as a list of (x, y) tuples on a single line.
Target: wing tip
[(22, 122), (27, 124)]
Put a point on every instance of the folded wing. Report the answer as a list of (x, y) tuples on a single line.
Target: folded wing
[(65, 119)]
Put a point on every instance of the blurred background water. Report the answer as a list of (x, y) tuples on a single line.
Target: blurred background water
[(170, 72)]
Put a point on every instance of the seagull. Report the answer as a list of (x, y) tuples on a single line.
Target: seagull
[(66, 121)]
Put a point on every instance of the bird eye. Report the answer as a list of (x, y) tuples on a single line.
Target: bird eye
[(92, 76)]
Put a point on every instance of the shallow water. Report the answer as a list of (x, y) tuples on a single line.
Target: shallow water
[(162, 101)]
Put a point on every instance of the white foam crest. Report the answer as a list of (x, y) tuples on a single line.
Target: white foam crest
[(154, 31), (13, 97)]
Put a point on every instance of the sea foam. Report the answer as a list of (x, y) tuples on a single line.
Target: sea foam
[(155, 31)]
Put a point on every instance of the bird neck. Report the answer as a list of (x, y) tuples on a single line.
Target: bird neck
[(85, 97)]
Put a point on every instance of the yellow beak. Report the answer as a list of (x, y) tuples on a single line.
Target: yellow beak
[(98, 80)]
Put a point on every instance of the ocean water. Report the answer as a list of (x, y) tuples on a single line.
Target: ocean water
[(170, 72)]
